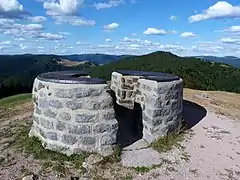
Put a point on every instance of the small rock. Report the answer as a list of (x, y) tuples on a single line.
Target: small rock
[(94, 159), (31, 177)]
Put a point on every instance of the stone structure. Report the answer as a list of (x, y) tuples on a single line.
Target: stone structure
[(160, 96), (73, 113)]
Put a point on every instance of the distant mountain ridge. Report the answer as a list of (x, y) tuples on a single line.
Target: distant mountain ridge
[(231, 60), (95, 58)]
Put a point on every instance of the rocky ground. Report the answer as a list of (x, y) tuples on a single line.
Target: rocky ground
[(210, 149)]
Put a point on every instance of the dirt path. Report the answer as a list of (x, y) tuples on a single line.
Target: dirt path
[(213, 152)]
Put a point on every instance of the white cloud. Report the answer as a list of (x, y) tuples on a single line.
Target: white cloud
[(66, 11), (37, 19), (12, 9), (111, 27), (188, 34), (108, 40), (173, 18), (50, 36), (73, 20), (108, 4), (19, 39), (126, 39), (5, 43), (233, 29), (154, 31), (63, 7), (221, 9), (134, 34), (65, 33), (230, 40)]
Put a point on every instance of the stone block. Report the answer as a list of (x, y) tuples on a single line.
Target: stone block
[(37, 110), (65, 116), (87, 140), (61, 126), (85, 118), (102, 128), (56, 104), (42, 103), (73, 105), (158, 112), (81, 129), (50, 113), (69, 139), (46, 123), (40, 86), (36, 119), (109, 139), (52, 136), (107, 115), (154, 101)]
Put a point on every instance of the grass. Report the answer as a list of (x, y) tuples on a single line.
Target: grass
[(166, 143), (33, 146), (143, 169), (15, 100)]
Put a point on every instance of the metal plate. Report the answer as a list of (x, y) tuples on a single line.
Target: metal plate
[(156, 76), (69, 77)]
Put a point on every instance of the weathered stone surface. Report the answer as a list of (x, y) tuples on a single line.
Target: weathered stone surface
[(46, 123), (74, 105), (77, 92), (65, 116), (69, 139), (154, 101), (36, 120), (60, 126), (50, 113), (38, 111), (40, 86), (101, 128), (85, 118), (81, 129), (56, 104), (42, 103), (88, 140), (109, 139), (52, 136), (108, 115)]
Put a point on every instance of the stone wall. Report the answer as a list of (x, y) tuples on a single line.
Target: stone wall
[(72, 118), (161, 101)]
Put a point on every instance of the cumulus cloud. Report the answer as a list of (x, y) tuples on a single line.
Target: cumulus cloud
[(66, 11), (37, 19), (221, 9), (50, 36), (62, 7), (108, 4), (230, 40), (12, 9), (111, 27), (154, 31), (233, 29), (173, 18), (73, 20), (188, 34)]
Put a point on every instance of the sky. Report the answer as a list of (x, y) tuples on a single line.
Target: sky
[(183, 27)]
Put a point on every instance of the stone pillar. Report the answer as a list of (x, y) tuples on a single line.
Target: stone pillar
[(124, 87), (71, 118), (162, 105)]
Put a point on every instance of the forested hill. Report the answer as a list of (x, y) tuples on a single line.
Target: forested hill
[(197, 74), (17, 72)]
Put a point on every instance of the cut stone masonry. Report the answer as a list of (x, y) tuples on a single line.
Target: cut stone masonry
[(75, 113)]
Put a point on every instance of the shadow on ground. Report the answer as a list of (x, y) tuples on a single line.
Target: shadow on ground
[(193, 113)]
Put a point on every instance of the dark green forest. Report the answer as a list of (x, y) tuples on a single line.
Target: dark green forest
[(197, 74), (18, 72)]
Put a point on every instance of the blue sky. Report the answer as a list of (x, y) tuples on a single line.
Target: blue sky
[(183, 27)]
